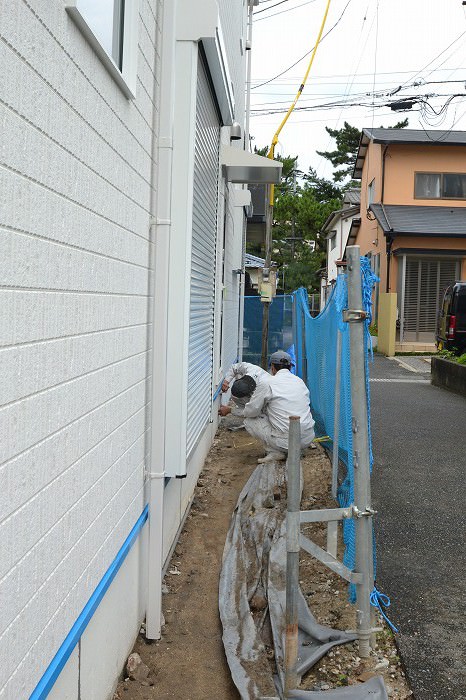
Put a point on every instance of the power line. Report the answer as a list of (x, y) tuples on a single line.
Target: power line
[(308, 2), (418, 99), (266, 82), (438, 56), (266, 9), (381, 93), (346, 75)]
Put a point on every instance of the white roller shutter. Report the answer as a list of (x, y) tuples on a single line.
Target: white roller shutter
[(204, 236)]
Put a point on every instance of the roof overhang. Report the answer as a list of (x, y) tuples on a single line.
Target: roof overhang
[(353, 233), (335, 216), (361, 155), (241, 166)]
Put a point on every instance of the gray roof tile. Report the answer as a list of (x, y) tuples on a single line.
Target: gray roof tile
[(421, 220)]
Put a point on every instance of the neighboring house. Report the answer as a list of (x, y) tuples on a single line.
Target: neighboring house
[(413, 219), (122, 225), (336, 230)]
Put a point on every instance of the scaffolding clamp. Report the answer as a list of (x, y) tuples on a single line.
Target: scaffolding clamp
[(354, 315), (368, 512)]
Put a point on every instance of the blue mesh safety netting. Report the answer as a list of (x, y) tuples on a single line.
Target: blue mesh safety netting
[(316, 342), (280, 326)]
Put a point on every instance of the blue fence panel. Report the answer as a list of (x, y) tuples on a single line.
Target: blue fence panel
[(315, 341), (280, 326)]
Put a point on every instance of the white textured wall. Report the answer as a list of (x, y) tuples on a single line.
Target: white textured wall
[(75, 170)]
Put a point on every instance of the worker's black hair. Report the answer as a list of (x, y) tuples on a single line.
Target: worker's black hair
[(243, 387), (280, 366)]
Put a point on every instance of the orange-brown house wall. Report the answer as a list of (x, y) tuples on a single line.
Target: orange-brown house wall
[(401, 163)]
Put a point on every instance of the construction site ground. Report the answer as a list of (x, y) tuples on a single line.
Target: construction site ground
[(188, 662)]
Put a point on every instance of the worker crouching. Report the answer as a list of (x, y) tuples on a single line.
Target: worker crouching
[(267, 411)]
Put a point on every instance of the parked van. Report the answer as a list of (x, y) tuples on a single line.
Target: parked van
[(451, 325)]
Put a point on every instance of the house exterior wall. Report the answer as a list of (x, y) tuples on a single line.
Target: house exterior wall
[(76, 159), (401, 162), (341, 224), (92, 184)]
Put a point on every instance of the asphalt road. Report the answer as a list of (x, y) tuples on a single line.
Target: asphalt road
[(418, 489)]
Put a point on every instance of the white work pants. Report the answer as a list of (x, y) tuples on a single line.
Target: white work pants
[(260, 428)]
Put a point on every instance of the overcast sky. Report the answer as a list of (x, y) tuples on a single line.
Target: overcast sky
[(376, 47)]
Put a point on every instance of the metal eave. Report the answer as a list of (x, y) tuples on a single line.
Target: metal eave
[(241, 166)]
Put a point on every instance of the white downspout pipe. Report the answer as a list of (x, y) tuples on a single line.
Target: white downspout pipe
[(247, 144), (161, 180)]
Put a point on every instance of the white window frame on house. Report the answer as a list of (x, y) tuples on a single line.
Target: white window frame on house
[(371, 192), (332, 241), (122, 64), (441, 177)]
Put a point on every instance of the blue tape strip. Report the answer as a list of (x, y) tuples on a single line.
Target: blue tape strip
[(219, 389), (47, 681)]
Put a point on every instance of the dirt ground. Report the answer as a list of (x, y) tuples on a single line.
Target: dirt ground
[(188, 662)]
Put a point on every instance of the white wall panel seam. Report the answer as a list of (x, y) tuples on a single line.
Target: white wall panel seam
[(33, 621), (58, 524), (67, 382), (113, 88), (98, 214), (126, 404), (60, 96), (71, 423), (71, 246), (42, 488), (70, 336), (84, 229), (76, 157)]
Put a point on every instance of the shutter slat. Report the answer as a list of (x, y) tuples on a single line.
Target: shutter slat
[(203, 259)]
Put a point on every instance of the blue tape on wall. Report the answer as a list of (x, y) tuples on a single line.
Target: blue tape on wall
[(219, 389), (47, 681)]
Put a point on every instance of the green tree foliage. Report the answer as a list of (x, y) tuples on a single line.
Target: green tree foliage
[(347, 144), (302, 203)]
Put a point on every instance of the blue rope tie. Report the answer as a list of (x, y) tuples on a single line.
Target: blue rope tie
[(380, 600)]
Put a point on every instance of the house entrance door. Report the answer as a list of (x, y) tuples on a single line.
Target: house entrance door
[(424, 282)]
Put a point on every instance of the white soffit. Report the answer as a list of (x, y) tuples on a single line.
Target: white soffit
[(242, 166)]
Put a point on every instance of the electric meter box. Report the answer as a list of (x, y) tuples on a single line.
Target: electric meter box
[(267, 284)]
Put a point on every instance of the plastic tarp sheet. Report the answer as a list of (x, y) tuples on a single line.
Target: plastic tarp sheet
[(373, 689), (252, 599)]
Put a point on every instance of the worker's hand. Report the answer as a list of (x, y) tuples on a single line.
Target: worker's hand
[(225, 386), (224, 410)]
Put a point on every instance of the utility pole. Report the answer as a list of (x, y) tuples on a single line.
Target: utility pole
[(293, 222), (270, 192)]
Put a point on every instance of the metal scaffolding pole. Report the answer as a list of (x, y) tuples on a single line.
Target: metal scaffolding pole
[(332, 528), (355, 315), (292, 554)]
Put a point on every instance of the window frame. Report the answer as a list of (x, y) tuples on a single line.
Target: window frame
[(441, 175), (126, 77)]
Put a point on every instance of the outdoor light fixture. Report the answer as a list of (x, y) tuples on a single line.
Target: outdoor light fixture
[(236, 132)]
